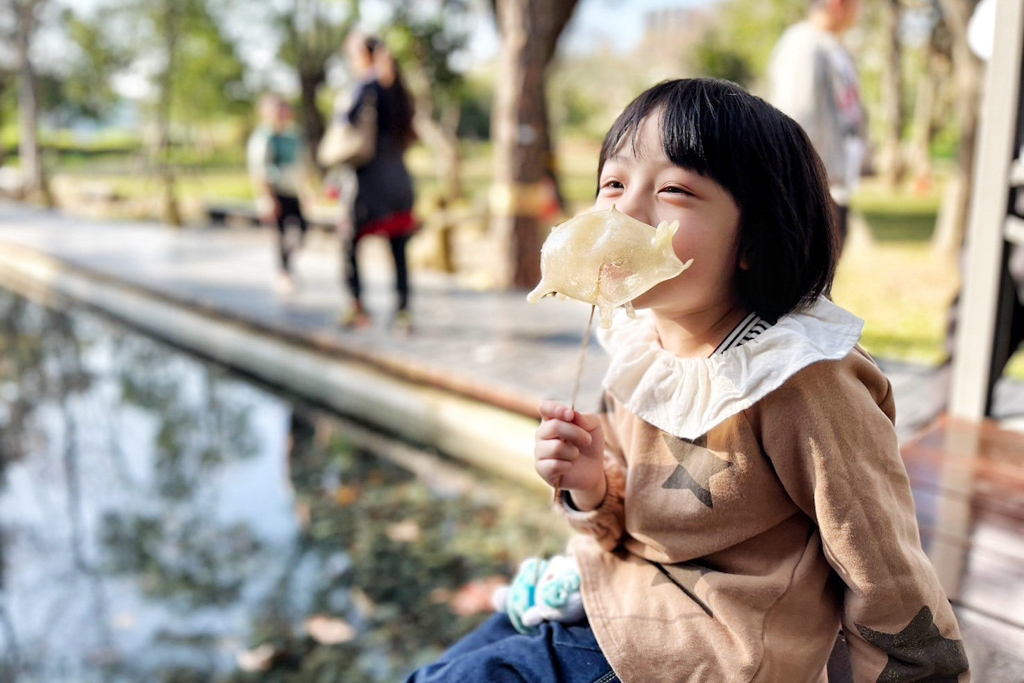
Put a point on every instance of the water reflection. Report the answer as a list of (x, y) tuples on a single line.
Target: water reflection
[(162, 519)]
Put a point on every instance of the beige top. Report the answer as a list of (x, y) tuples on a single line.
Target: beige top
[(735, 553)]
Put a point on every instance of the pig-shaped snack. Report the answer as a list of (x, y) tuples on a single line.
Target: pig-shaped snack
[(607, 259)]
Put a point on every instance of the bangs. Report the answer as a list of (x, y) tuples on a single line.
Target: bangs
[(696, 131)]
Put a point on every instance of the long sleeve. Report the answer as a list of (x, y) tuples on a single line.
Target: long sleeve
[(802, 86), (831, 439), (258, 156), (605, 523)]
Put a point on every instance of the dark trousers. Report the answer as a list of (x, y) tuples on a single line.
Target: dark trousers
[(291, 210), (398, 248), (497, 653)]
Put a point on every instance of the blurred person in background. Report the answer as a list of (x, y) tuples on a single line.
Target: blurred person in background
[(279, 168), (384, 197), (813, 78)]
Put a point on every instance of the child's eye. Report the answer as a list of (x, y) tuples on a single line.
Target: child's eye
[(676, 189), (611, 185)]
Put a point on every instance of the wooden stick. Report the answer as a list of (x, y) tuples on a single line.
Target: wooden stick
[(583, 357), (579, 373)]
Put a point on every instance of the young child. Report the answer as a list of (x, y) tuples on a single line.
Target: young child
[(279, 169), (740, 497)]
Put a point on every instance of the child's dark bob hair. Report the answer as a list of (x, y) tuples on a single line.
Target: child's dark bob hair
[(766, 162)]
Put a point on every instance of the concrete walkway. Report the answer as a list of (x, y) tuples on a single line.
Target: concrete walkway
[(466, 381)]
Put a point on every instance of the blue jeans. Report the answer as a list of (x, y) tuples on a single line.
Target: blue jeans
[(497, 653)]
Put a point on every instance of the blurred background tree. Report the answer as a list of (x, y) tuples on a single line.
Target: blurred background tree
[(20, 21), (427, 43), (194, 72), (523, 149), (739, 42), (312, 33)]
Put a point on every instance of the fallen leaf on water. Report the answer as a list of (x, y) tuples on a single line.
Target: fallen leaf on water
[(346, 495), (407, 531), (256, 659), (329, 630)]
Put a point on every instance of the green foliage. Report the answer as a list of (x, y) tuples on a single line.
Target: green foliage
[(432, 42), (88, 88), (739, 49), (577, 108), (477, 102), (208, 78), (718, 58), (896, 218), (312, 31)]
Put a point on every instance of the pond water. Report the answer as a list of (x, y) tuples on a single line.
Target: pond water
[(164, 519)]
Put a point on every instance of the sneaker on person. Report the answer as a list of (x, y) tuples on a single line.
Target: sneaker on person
[(355, 318), (402, 322), (285, 284)]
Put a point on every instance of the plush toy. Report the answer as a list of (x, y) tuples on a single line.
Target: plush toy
[(543, 590)]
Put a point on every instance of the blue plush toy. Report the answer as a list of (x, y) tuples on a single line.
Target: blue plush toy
[(543, 590)]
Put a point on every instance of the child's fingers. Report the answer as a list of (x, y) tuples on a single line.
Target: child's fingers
[(556, 449), (564, 431), (553, 410), (587, 421), (552, 471)]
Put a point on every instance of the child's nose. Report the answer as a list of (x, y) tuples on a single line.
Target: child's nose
[(632, 204)]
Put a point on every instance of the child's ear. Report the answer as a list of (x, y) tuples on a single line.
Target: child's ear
[(745, 263)]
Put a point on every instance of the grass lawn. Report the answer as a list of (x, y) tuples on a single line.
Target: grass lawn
[(890, 277)]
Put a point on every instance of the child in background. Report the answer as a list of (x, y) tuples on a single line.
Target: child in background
[(740, 496), (279, 169)]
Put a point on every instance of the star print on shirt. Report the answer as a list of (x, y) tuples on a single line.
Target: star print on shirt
[(685, 577), (696, 466), (919, 651)]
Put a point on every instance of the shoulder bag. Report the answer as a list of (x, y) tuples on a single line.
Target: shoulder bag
[(351, 144)]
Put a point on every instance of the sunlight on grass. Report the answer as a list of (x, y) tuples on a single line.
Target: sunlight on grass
[(891, 277), (902, 291)]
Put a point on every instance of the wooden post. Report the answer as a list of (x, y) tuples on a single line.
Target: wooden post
[(983, 268)]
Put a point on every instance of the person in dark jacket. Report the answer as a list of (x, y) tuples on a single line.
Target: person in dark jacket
[(383, 204)]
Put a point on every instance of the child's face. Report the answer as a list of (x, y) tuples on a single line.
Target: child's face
[(650, 188)]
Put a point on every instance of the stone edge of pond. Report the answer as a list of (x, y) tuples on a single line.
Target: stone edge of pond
[(484, 428)]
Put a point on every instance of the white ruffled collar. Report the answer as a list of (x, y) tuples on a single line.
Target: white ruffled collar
[(687, 397)]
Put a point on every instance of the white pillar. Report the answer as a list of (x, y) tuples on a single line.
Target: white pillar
[(975, 333)]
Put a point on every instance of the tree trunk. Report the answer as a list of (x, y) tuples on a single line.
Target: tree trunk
[(529, 32), (968, 73), (439, 131), (315, 37), (171, 211), (892, 99), (29, 154), (923, 129), (451, 175), (4, 84), (442, 139)]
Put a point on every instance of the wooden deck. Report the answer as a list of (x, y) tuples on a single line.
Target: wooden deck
[(968, 482)]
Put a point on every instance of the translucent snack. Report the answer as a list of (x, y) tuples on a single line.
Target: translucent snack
[(607, 259)]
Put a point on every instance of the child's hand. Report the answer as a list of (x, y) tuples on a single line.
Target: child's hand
[(569, 452)]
